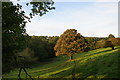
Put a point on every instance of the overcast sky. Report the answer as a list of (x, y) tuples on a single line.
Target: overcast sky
[(92, 19)]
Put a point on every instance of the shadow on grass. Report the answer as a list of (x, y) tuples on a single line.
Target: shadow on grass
[(99, 52), (45, 70), (86, 70), (102, 51), (89, 69)]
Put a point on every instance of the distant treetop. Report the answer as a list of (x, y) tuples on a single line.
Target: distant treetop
[(111, 36)]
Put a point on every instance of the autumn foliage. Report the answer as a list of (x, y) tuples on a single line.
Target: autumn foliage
[(70, 42)]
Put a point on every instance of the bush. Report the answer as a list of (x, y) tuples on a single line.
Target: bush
[(28, 54), (100, 44)]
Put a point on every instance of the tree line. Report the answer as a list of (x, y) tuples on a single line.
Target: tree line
[(71, 42), (42, 48)]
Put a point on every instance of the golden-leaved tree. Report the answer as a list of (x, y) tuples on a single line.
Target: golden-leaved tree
[(70, 42)]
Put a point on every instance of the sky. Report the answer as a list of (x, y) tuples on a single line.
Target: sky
[(91, 19)]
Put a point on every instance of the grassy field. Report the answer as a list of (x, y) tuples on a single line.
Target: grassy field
[(100, 63)]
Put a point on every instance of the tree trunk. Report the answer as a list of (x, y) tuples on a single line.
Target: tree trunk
[(113, 48), (71, 57)]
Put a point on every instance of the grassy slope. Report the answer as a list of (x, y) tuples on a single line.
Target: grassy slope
[(100, 63)]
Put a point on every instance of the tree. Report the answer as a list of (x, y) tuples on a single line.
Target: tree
[(40, 8), (43, 46), (69, 43), (109, 44), (39, 47), (111, 36), (28, 54), (13, 28), (104, 44), (13, 32), (100, 43), (115, 41), (92, 41)]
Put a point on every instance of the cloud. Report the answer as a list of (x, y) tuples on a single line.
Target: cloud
[(98, 19), (45, 27)]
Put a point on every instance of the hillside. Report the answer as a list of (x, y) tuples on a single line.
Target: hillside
[(99, 63)]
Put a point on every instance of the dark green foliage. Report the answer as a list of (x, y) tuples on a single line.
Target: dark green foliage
[(104, 44), (92, 42), (52, 41), (38, 46), (14, 35), (28, 54), (41, 8), (43, 46), (100, 43), (13, 32)]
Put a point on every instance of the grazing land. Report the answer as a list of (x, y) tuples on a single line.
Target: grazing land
[(99, 63)]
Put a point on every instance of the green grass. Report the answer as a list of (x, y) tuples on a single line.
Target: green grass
[(100, 63)]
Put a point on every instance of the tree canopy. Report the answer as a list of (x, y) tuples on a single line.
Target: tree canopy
[(14, 33), (111, 36), (70, 42)]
